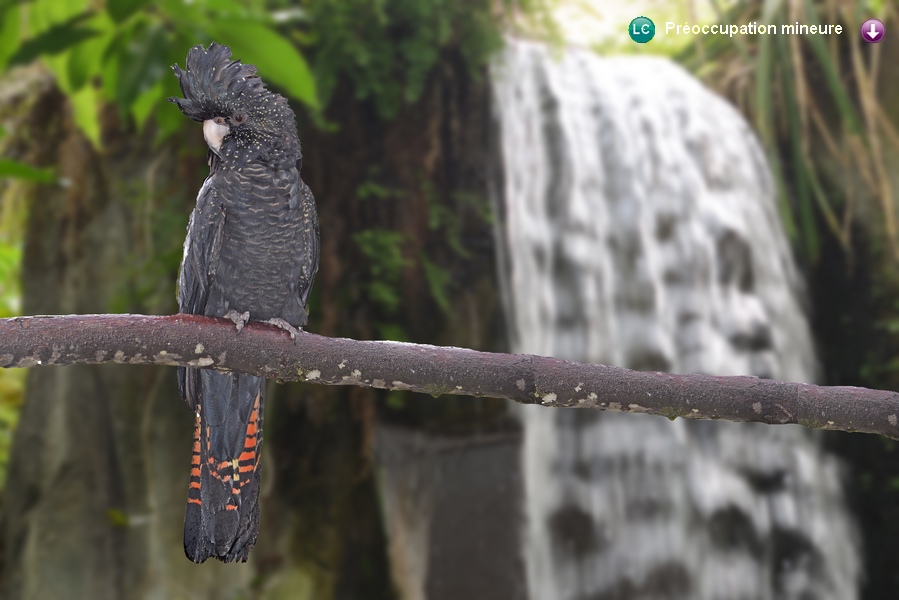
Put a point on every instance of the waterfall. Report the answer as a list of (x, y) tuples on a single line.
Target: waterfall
[(637, 226)]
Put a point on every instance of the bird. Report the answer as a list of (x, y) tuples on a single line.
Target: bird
[(251, 253)]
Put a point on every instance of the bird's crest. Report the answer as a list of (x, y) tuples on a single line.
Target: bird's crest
[(257, 124), (210, 78)]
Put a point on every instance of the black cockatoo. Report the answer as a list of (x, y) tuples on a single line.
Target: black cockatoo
[(251, 252)]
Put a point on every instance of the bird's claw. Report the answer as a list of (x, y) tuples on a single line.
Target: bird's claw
[(239, 319), (282, 324)]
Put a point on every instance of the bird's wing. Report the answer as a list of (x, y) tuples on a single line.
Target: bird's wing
[(310, 242), (202, 247), (302, 204)]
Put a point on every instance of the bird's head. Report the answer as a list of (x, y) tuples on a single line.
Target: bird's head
[(243, 121)]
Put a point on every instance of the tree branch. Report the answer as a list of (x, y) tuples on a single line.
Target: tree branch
[(261, 349)]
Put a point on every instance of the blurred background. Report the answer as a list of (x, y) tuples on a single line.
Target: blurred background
[(505, 175)]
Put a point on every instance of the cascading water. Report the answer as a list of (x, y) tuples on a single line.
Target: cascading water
[(637, 227)]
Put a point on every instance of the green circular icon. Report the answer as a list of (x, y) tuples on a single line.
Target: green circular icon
[(642, 30)]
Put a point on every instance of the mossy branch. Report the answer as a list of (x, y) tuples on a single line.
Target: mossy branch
[(262, 349)]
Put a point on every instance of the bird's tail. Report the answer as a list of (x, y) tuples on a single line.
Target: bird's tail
[(222, 518)]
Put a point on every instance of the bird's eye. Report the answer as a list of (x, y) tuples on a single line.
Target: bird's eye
[(219, 120), (239, 118)]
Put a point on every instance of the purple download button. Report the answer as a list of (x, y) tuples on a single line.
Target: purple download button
[(872, 31)]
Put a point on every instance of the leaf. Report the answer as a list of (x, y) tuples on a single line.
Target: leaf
[(278, 60), (120, 10), (18, 170), (111, 63), (54, 40), (396, 400), (117, 517), (43, 14), (10, 22), (85, 104), (190, 22), (384, 294), (832, 76), (85, 59), (391, 331), (439, 280), (143, 105), (168, 118), (140, 62)]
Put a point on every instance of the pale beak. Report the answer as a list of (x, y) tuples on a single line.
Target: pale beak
[(214, 134)]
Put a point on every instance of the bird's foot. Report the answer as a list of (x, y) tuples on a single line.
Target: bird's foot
[(239, 319), (282, 324)]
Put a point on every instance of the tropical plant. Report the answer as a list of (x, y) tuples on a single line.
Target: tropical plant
[(815, 103)]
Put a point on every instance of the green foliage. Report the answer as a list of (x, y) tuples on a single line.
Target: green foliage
[(445, 220), (13, 169), (442, 218), (384, 251), (391, 331), (276, 57), (478, 203), (117, 517), (12, 216), (439, 280), (395, 400), (120, 53), (18, 170), (12, 381), (815, 106), (371, 189), (10, 259), (54, 40), (388, 48)]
